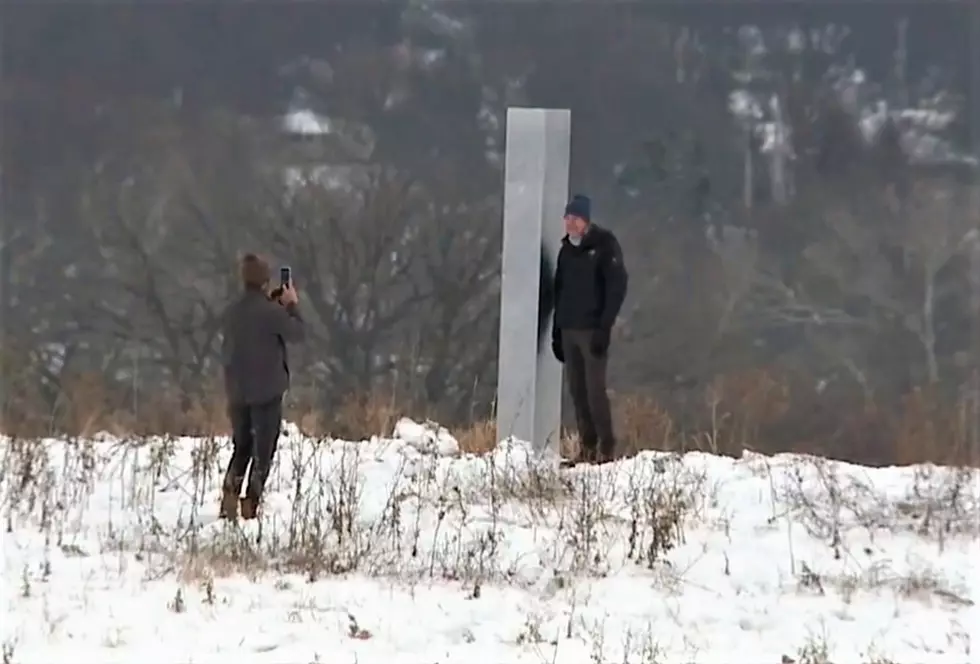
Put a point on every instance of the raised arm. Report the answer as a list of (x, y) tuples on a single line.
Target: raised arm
[(287, 322)]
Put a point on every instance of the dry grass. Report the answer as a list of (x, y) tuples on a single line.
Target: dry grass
[(753, 410), (644, 424), (478, 438), (326, 531)]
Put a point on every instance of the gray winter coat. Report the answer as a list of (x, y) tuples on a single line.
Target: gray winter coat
[(253, 351)]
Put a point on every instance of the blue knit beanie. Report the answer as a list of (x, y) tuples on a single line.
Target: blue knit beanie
[(580, 206)]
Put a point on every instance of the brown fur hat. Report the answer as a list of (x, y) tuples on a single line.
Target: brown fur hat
[(254, 271)]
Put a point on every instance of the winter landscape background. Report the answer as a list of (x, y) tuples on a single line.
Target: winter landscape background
[(795, 187), (796, 190)]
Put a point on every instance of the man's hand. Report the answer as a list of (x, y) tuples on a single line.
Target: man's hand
[(289, 295), (558, 351), (556, 346)]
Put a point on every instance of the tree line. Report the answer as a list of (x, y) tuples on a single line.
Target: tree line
[(800, 225)]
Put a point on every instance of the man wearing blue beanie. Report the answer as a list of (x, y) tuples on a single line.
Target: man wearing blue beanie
[(589, 289)]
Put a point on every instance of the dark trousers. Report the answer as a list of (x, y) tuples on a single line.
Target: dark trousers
[(587, 384), (255, 436)]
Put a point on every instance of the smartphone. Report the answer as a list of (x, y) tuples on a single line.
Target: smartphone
[(285, 276)]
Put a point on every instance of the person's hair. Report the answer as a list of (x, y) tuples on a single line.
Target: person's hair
[(254, 271)]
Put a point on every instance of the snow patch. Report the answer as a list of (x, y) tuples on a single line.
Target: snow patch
[(429, 438), (403, 550)]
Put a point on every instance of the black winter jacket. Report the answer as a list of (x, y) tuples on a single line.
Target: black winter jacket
[(590, 282)]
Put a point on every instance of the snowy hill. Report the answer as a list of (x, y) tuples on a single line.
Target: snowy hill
[(402, 551)]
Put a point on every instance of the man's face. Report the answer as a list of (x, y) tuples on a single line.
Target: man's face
[(575, 226)]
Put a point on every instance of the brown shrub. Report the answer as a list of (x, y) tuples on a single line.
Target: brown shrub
[(741, 407), (758, 410), (83, 405), (643, 424), (928, 429), (477, 438), (362, 416), (769, 413)]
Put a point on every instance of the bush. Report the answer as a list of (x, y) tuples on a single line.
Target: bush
[(753, 410)]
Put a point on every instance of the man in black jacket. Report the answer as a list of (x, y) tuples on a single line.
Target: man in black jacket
[(590, 286), (256, 330)]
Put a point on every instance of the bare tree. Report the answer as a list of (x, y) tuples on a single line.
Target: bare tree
[(892, 266), (936, 226), (354, 250), (457, 346), (165, 266)]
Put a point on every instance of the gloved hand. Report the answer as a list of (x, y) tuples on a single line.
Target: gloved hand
[(556, 348), (599, 345)]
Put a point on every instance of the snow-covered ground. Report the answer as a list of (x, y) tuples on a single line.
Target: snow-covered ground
[(394, 551)]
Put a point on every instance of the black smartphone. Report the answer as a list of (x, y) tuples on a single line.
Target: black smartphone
[(285, 276)]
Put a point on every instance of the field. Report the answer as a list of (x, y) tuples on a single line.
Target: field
[(404, 550)]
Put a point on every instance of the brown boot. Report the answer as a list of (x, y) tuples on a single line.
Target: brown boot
[(249, 507), (229, 505)]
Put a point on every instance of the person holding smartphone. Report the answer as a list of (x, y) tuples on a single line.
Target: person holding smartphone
[(256, 329)]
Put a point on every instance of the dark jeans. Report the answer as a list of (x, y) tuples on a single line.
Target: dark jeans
[(587, 383), (255, 435)]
